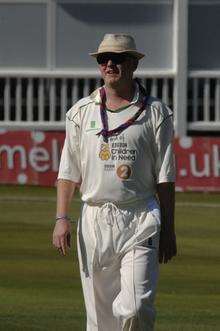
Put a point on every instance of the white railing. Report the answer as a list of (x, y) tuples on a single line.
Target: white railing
[(39, 100), (204, 101)]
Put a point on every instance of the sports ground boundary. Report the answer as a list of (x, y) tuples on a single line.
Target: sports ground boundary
[(53, 199)]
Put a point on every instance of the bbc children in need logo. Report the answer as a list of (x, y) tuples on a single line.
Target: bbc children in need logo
[(117, 150)]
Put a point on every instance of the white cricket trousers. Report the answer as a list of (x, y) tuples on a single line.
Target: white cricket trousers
[(118, 257)]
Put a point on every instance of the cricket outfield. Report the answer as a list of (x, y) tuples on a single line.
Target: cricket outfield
[(40, 290)]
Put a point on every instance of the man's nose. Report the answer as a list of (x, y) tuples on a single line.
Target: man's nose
[(110, 63)]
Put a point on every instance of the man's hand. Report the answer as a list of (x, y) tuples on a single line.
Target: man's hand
[(62, 236), (61, 233), (167, 246)]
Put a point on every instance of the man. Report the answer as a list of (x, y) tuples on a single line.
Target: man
[(118, 147)]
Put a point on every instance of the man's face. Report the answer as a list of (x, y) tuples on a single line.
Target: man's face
[(116, 68)]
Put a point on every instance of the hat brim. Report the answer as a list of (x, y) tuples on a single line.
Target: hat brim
[(133, 53)]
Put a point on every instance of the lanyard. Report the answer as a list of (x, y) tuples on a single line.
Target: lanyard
[(105, 132)]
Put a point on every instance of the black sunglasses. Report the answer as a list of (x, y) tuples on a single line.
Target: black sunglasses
[(116, 58)]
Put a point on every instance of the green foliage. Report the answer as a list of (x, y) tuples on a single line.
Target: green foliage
[(41, 290)]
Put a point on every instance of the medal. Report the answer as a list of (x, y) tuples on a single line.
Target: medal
[(109, 133)]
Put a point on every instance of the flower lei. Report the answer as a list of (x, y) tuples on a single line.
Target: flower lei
[(105, 132)]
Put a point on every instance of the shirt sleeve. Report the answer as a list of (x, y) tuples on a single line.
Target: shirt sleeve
[(70, 158), (165, 162)]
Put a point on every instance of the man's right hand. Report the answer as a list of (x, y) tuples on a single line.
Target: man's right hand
[(62, 236)]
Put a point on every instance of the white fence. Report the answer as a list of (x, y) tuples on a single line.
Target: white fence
[(35, 100), (204, 101), (41, 101)]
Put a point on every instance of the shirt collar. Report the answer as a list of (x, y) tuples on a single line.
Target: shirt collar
[(135, 99)]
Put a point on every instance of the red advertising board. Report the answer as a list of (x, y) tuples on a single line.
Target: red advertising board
[(197, 164), (32, 157)]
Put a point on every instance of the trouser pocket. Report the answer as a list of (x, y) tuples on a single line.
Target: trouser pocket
[(154, 209)]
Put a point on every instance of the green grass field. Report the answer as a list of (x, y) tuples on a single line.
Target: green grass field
[(40, 290)]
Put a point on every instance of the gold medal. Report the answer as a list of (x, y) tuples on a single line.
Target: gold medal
[(104, 153)]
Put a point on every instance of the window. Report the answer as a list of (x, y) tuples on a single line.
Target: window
[(203, 35), (22, 35), (81, 26)]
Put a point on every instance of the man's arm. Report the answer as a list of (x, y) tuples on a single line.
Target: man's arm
[(61, 233), (166, 195)]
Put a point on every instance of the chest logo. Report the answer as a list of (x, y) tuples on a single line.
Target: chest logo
[(104, 153), (92, 124), (124, 171)]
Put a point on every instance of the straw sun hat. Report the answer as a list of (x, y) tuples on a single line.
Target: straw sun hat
[(118, 43)]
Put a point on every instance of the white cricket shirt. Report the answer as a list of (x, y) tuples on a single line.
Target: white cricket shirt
[(129, 167)]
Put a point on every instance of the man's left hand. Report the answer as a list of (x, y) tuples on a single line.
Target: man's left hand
[(167, 246)]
